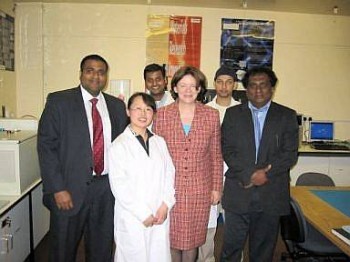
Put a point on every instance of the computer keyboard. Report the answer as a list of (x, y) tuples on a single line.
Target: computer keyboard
[(330, 146)]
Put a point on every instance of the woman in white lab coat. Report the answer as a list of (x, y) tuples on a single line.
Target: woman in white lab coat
[(141, 174)]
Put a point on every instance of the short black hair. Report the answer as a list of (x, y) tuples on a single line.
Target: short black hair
[(153, 68), (93, 57), (146, 98), (257, 71)]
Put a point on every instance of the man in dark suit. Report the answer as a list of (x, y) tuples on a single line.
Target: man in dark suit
[(76, 187), (260, 144)]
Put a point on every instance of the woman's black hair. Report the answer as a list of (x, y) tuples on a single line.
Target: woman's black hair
[(146, 98)]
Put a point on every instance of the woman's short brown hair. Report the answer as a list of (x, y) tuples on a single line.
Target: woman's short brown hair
[(201, 80)]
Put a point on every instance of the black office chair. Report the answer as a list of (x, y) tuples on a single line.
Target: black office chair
[(300, 237), (302, 240), (314, 179)]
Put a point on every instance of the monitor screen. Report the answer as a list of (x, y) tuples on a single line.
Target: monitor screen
[(321, 131)]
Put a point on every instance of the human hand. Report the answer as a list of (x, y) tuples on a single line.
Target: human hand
[(259, 177), (149, 221), (63, 200), (121, 97), (215, 197), (161, 214)]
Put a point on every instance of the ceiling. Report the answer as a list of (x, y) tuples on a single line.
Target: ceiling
[(325, 7)]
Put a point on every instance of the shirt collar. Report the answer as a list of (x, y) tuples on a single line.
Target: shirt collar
[(87, 96), (162, 102), (232, 102), (149, 133), (261, 109)]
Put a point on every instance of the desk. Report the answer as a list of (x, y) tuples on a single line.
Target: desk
[(320, 214), (306, 149)]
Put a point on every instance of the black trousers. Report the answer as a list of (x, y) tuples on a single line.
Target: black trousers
[(262, 230), (94, 221)]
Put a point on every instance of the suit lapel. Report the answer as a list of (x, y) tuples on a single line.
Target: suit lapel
[(248, 125), (116, 117), (176, 121), (80, 117), (198, 114), (112, 117), (270, 123), (80, 111)]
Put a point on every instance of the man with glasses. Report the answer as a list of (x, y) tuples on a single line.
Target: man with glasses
[(75, 131), (260, 145)]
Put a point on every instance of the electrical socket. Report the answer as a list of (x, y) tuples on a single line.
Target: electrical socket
[(305, 119), (305, 122)]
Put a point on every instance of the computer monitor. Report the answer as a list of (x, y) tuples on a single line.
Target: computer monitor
[(321, 131)]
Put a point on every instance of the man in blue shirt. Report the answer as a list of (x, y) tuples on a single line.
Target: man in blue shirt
[(260, 144)]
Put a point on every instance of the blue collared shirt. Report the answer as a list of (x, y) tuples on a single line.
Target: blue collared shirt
[(258, 117)]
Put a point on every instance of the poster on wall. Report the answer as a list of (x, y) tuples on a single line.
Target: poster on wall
[(173, 41), (7, 42), (246, 44)]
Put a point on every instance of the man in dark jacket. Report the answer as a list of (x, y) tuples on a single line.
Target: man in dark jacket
[(75, 130), (260, 144)]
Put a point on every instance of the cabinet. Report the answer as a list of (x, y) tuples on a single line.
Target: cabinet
[(339, 170), (41, 216), (15, 233), (24, 221), (337, 166)]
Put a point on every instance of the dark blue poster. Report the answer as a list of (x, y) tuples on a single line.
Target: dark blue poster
[(246, 44)]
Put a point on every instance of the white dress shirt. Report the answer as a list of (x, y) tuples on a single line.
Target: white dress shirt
[(107, 129)]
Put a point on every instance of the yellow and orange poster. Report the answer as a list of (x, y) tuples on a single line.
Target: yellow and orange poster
[(174, 41)]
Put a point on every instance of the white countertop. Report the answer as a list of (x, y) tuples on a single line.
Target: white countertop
[(6, 201), (15, 137), (307, 149)]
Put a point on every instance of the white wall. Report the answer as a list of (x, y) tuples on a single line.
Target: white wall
[(311, 56)]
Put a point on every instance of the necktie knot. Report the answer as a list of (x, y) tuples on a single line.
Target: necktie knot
[(94, 101)]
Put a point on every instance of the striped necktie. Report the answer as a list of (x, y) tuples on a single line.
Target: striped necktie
[(98, 142)]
